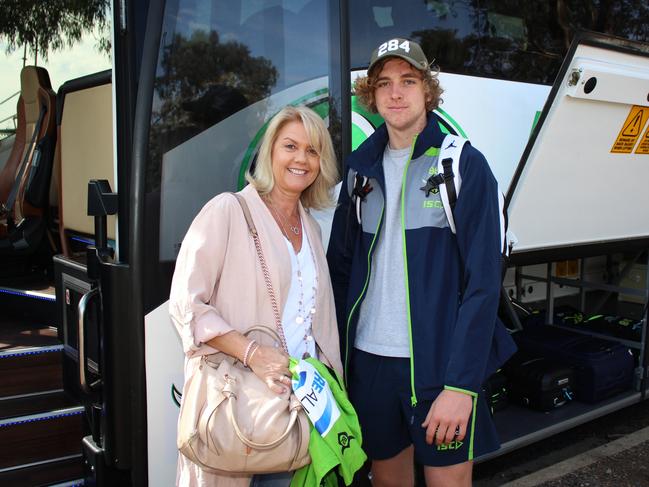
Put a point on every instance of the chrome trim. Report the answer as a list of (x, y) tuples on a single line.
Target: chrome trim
[(83, 303)]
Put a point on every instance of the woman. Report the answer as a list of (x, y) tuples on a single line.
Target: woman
[(218, 289)]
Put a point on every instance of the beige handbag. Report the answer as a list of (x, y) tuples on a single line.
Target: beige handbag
[(230, 421)]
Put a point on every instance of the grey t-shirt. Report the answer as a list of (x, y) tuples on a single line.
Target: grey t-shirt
[(382, 322)]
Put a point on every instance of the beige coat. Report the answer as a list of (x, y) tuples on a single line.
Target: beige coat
[(218, 286)]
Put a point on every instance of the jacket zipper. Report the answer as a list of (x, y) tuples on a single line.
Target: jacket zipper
[(360, 296), (413, 397)]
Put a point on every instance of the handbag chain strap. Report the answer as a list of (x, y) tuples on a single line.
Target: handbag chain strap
[(264, 269)]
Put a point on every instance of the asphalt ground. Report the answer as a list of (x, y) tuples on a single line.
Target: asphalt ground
[(610, 451), (623, 462)]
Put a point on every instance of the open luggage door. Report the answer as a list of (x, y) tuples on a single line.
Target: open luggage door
[(580, 191), (581, 185)]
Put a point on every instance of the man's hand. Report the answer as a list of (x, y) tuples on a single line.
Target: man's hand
[(448, 417)]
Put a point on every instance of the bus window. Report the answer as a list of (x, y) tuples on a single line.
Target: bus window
[(219, 57), (513, 39), (224, 68)]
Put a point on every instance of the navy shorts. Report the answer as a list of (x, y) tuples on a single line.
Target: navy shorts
[(379, 389)]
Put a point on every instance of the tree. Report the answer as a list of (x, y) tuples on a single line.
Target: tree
[(201, 80), (47, 25)]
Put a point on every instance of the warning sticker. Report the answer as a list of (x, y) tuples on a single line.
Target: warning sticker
[(631, 129), (643, 146)]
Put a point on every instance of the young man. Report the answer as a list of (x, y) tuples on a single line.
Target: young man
[(416, 303)]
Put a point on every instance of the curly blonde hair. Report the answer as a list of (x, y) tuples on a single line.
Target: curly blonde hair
[(364, 86), (318, 195)]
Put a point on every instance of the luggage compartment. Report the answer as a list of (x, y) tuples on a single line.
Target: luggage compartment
[(565, 215)]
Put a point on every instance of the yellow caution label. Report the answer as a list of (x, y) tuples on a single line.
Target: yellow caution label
[(631, 130), (643, 146)]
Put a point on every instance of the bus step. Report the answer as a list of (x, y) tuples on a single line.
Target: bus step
[(30, 404), (65, 471), (30, 300), (41, 426), (35, 438), (30, 370)]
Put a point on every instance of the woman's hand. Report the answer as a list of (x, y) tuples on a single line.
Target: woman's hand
[(271, 365)]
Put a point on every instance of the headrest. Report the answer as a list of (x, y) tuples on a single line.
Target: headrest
[(29, 83)]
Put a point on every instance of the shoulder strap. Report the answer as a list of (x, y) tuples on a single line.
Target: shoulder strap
[(246, 214), (264, 269), (448, 164)]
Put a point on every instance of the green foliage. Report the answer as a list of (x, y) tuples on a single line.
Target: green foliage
[(49, 25)]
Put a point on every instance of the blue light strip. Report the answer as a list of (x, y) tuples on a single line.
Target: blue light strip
[(26, 295), (31, 351), (40, 418), (91, 241), (87, 241)]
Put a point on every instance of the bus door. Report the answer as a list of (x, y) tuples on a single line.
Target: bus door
[(222, 70)]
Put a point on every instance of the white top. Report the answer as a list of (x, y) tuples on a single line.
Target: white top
[(293, 331), (382, 321)]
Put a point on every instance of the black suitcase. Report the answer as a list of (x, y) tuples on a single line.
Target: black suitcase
[(615, 326), (563, 315), (539, 383), (496, 391), (602, 367)]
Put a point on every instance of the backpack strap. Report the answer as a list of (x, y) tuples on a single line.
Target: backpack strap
[(359, 191), (448, 166)]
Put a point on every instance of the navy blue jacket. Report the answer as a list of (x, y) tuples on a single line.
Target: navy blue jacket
[(453, 281)]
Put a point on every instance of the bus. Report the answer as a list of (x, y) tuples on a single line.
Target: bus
[(554, 93)]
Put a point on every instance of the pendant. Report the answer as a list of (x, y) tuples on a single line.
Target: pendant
[(306, 355), (295, 230)]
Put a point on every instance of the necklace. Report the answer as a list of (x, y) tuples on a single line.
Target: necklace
[(293, 228), (305, 313)]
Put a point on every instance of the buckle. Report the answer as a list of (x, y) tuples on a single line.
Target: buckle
[(361, 191), (432, 184)]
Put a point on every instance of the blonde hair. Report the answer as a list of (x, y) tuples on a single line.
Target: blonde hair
[(318, 194), (364, 86)]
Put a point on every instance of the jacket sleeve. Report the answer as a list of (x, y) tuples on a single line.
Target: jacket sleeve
[(477, 223), (196, 276), (340, 251)]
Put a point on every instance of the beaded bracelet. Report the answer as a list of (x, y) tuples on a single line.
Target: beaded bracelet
[(247, 352), (252, 352)]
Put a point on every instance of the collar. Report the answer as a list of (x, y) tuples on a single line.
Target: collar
[(368, 157)]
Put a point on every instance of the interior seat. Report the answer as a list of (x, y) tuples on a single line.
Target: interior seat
[(25, 177)]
